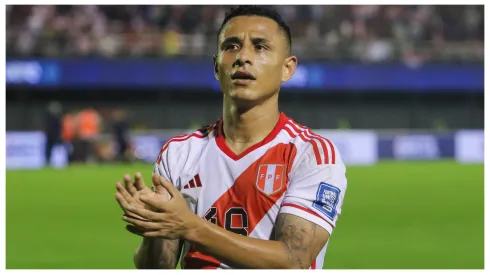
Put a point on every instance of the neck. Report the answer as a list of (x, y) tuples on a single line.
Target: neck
[(249, 125)]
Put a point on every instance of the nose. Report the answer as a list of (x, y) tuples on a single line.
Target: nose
[(244, 55)]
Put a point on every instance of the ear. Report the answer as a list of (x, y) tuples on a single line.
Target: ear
[(289, 68), (215, 59)]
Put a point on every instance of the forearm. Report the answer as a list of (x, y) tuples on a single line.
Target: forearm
[(240, 251), (157, 253)]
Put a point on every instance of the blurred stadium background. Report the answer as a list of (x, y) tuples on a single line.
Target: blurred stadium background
[(398, 88)]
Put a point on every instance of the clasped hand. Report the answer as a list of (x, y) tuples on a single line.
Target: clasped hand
[(160, 213)]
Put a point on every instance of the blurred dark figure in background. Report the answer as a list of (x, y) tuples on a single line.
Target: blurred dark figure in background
[(121, 135), (52, 128), (69, 133)]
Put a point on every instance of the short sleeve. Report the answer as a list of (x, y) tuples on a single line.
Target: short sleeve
[(165, 166), (316, 192), (161, 165)]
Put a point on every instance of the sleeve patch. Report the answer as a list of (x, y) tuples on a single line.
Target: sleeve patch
[(327, 198)]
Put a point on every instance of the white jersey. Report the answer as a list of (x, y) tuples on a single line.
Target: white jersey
[(291, 171)]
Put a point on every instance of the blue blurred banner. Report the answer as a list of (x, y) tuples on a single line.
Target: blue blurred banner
[(469, 146), (25, 150), (198, 74), (416, 146)]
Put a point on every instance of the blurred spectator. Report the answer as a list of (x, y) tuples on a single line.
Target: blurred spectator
[(69, 133), (52, 128), (88, 130), (411, 34), (121, 127)]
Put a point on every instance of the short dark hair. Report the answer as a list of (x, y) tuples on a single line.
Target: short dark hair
[(253, 10)]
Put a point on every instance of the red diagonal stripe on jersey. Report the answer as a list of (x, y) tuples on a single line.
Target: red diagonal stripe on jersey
[(196, 260), (244, 193), (313, 265), (186, 186), (198, 180)]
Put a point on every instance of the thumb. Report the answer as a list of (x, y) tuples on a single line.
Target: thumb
[(159, 189), (169, 187)]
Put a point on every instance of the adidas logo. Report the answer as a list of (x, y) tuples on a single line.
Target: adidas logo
[(195, 182)]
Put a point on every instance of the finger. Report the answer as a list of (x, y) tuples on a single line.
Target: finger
[(157, 233), (126, 205), (170, 187), (158, 187), (141, 223), (141, 231), (139, 182), (174, 192), (120, 189), (134, 216), (154, 233), (122, 202), (135, 230), (129, 185), (145, 214), (155, 202)]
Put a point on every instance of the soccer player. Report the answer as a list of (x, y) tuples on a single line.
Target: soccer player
[(254, 190)]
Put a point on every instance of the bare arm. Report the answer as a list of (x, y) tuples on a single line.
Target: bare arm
[(157, 253), (301, 239), (296, 245)]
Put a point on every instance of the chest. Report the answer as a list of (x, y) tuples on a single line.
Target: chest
[(236, 192)]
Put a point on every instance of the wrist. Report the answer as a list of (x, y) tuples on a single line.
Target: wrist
[(195, 224)]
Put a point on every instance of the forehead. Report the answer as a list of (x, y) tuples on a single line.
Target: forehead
[(250, 25)]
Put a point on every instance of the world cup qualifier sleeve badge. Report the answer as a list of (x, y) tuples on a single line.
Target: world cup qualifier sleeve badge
[(327, 198)]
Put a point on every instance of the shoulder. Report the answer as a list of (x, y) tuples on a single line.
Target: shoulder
[(188, 142), (313, 149), (182, 152)]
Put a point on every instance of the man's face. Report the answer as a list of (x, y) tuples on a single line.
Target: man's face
[(253, 58)]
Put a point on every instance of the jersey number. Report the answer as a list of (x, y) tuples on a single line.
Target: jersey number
[(233, 211)]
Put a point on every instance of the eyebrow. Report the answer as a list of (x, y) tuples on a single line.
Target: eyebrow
[(260, 40), (235, 39), (232, 39)]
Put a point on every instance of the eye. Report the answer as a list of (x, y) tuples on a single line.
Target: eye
[(231, 47), (260, 47)]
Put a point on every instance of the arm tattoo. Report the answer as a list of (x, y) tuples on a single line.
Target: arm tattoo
[(297, 239)]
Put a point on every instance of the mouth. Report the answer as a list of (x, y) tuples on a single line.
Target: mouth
[(242, 77)]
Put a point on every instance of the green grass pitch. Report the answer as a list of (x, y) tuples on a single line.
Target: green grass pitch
[(396, 215)]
